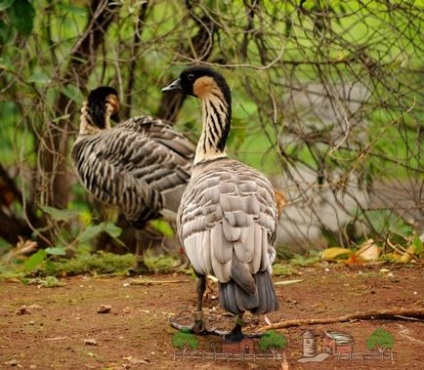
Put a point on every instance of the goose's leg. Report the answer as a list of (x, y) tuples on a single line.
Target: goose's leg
[(236, 334), (139, 267), (199, 326)]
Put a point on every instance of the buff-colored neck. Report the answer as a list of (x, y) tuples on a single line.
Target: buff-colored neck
[(87, 126), (216, 121)]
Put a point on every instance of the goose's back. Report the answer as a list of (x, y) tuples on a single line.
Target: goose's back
[(142, 165), (227, 221)]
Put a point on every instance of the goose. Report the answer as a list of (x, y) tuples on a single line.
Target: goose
[(141, 165), (227, 217)]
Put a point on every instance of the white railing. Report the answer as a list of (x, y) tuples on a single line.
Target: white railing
[(217, 356)]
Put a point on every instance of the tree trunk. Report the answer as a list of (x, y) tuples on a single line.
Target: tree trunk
[(54, 180)]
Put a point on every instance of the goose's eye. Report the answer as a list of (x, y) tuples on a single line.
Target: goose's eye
[(190, 77)]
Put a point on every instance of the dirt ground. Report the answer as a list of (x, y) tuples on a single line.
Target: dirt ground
[(61, 328)]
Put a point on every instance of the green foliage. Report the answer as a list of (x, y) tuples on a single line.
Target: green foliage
[(381, 340), (84, 263), (78, 237), (272, 340), (20, 16), (279, 269), (35, 260), (59, 214), (161, 263), (184, 340), (418, 245), (99, 263), (93, 231), (47, 282), (163, 226)]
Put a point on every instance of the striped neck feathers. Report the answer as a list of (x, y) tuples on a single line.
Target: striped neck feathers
[(89, 124), (216, 117)]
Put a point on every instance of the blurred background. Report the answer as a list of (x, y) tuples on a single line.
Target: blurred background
[(328, 101)]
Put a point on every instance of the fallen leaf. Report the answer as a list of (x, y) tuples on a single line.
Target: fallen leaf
[(408, 255), (336, 253), (369, 251)]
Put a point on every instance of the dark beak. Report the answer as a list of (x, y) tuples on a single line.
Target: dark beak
[(173, 87)]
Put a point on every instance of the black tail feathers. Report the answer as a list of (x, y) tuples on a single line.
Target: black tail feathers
[(234, 299)]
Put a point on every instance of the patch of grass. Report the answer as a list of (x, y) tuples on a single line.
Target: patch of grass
[(47, 282), (279, 269), (100, 263), (162, 263), (312, 258)]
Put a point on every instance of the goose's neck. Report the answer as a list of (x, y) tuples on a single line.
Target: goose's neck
[(88, 125), (216, 116)]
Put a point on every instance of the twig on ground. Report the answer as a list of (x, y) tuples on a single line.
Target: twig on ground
[(156, 282), (388, 314)]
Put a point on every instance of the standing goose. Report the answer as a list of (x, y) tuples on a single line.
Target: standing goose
[(228, 217), (142, 165)]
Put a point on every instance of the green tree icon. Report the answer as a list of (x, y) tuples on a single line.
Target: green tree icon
[(272, 340), (380, 340), (184, 340)]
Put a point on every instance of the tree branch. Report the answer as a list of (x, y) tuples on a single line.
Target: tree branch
[(142, 14), (54, 149), (200, 49), (388, 314)]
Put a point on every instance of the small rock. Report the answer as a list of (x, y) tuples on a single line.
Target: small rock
[(104, 308), (90, 342), (23, 310), (13, 362)]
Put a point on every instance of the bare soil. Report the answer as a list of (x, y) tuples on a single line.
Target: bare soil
[(61, 328)]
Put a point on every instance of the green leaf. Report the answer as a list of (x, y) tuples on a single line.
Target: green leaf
[(7, 33), (93, 231), (4, 4), (21, 15), (163, 226), (58, 214), (90, 233), (77, 10), (110, 228), (56, 251), (36, 259), (418, 245), (72, 92), (336, 253), (39, 78)]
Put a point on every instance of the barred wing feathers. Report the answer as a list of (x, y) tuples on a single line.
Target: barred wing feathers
[(142, 165)]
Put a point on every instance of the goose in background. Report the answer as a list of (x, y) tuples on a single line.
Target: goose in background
[(141, 165)]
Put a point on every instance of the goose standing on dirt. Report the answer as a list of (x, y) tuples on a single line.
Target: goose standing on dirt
[(142, 165), (227, 218)]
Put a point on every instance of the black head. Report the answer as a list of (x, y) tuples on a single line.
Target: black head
[(97, 103), (200, 81)]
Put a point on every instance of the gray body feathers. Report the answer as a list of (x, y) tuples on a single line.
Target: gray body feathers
[(227, 224)]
